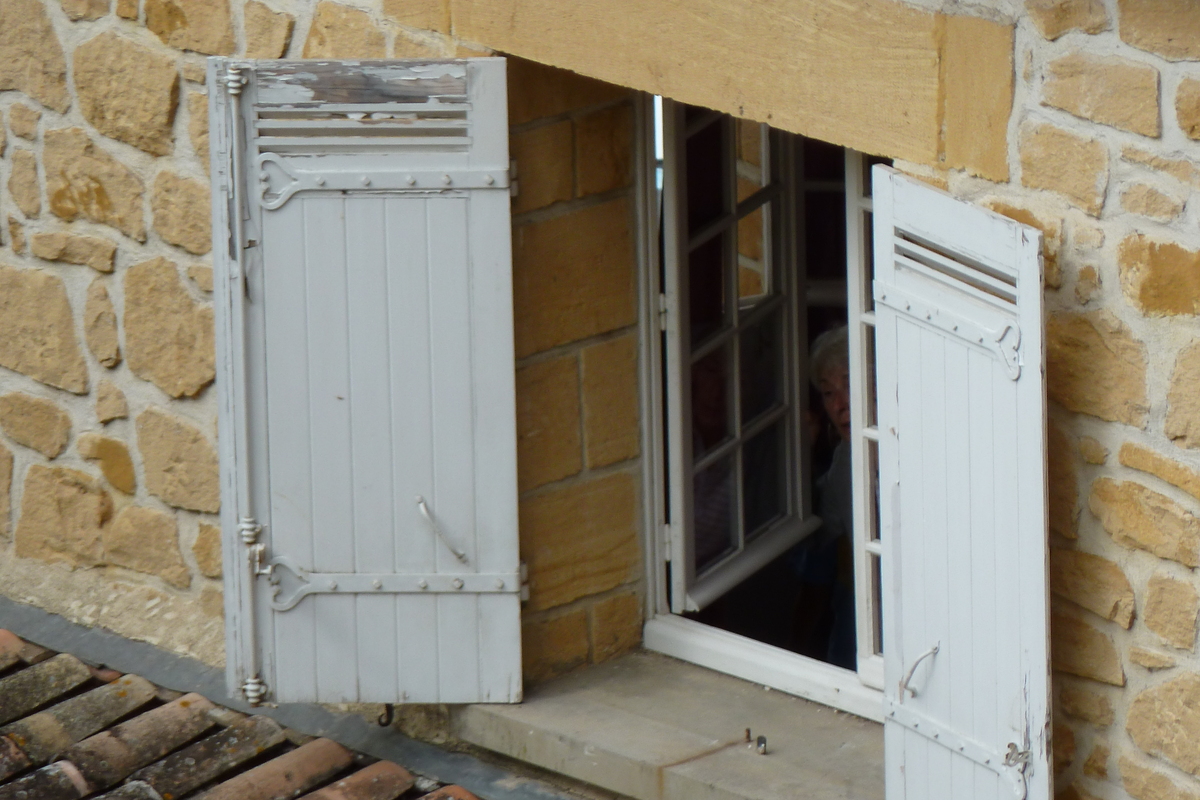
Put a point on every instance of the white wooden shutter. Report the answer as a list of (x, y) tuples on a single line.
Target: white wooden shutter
[(958, 293), (366, 380)]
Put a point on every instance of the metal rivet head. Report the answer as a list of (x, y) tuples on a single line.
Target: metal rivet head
[(333, 586), (457, 583), (319, 181), (366, 181), (489, 180), (264, 177), (378, 584), (446, 179), (499, 584), (422, 584), (410, 180)]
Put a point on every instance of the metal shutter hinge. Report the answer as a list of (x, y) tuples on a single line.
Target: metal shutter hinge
[(523, 574), (254, 690), (514, 188)]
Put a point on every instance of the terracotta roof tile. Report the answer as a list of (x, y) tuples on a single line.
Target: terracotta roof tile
[(32, 688), (450, 793), (287, 776), (211, 757), (382, 780)]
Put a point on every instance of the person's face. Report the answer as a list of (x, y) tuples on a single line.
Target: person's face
[(834, 387)]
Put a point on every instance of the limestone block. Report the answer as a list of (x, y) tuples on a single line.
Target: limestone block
[(6, 476), (1171, 609), (212, 603), (1096, 765), (127, 9), (407, 45), (602, 551), (182, 212), (1183, 401), (146, 540), (340, 32), (1063, 739), (1159, 277), (113, 457), (1150, 202), (100, 325), (267, 32), (1170, 28), (31, 57), (1052, 230), (1087, 236), (207, 550), (1148, 784), (1181, 169), (1106, 89), (977, 82), (178, 462), (83, 180), (203, 26), (1170, 470), (1093, 582), (604, 150), (1092, 451), (84, 9), (16, 233), (1095, 366), (1139, 517), (193, 72), (39, 329), (63, 514), (544, 167), (168, 335), (610, 401), (1086, 704), (553, 646), (34, 422), (1079, 649), (23, 183), (536, 91), (1151, 659), (1062, 162), (426, 15), (202, 277), (198, 126), (573, 277), (110, 402), (23, 120), (3, 135), (616, 625), (1087, 284), (93, 251), (1053, 18), (1164, 721), (1187, 107), (548, 441), (127, 91)]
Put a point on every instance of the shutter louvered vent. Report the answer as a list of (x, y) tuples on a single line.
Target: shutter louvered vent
[(956, 270)]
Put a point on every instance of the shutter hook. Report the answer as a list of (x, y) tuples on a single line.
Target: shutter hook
[(459, 554), (904, 687), (389, 714)]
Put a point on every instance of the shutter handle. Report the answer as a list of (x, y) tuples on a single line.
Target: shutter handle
[(904, 687), (459, 554)]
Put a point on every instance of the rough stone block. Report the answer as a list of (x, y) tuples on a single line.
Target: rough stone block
[(24, 120), (1087, 705), (127, 9), (1053, 18), (427, 15), (23, 184), (182, 212), (202, 277), (114, 460), (6, 478), (203, 26), (1150, 202), (537, 90), (1181, 169), (1170, 28), (1187, 107), (1052, 235), (1171, 609), (1139, 517), (544, 167), (100, 325), (1095, 366), (1164, 721), (1093, 582), (1143, 783), (1170, 470), (207, 550), (83, 180), (1087, 284), (1159, 277), (1054, 159), (127, 91), (553, 646), (31, 56), (604, 150), (63, 514), (145, 540), (168, 335), (1106, 89), (193, 72), (410, 45), (1092, 451), (3, 135), (267, 32), (39, 329), (573, 277), (340, 32), (610, 401), (178, 461), (601, 550), (1151, 659), (1183, 401), (93, 251), (84, 9), (110, 402), (197, 103), (34, 422), (616, 625), (16, 233), (548, 438), (1079, 649), (1096, 765), (1063, 739)]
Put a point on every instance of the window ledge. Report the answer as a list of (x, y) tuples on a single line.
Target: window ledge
[(653, 728)]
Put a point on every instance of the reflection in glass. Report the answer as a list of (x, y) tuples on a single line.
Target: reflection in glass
[(876, 606), (764, 474), (707, 192), (753, 282), (706, 288), (751, 136), (714, 504), (710, 401), (869, 261), (871, 379), (761, 353), (873, 490)]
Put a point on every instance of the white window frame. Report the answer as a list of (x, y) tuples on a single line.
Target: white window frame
[(666, 632)]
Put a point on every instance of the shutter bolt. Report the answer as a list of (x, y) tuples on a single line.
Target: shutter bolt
[(446, 179), (333, 586), (457, 583), (319, 181), (489, 180), (378, 584), (366, 181), (422, 584), (499, 584), (410, 180)]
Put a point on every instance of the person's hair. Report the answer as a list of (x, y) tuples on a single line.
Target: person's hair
[(830, 349)]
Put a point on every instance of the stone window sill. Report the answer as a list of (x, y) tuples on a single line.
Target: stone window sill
[(653, 728)]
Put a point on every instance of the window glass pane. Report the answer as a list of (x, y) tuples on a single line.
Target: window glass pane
[(753, 246), (761, 353), (825, 235), (876, 605), (751, 141), (871, 405), (711, 401), (868, 222), (714, 505), (764, 479), (823, 161), (706, 287), (873, 490), (707, 175)]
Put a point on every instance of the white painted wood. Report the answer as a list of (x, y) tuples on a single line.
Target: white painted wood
[(962, 501), (376, 367)]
